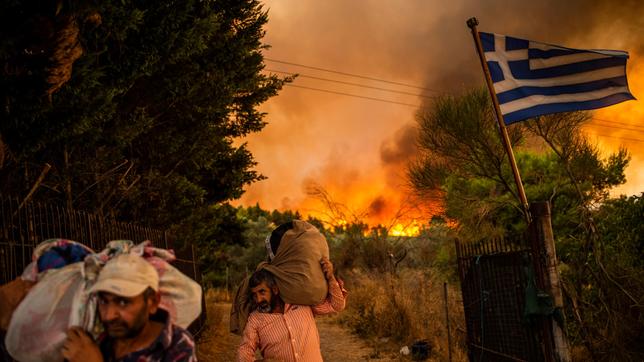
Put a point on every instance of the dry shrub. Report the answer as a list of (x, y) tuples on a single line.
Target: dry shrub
[(218, 295), (216, 343), (405, 308)]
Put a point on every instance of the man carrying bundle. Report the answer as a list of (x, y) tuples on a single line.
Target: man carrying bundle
[(283, 331), (136, 329)]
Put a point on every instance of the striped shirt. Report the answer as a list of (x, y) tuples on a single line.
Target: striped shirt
[(291, 336)]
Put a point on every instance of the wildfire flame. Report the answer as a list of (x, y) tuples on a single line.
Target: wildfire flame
[(400, 229)]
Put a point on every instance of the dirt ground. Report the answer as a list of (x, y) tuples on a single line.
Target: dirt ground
[(337, 343)]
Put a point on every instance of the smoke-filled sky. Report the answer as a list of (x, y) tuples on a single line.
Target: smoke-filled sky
[(356, 149)]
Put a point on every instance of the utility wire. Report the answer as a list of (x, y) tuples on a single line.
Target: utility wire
[(351, 75), (615, 127), (416, 106), (621, 138), (352, 95), (350, 83), (420, 95), (618, 123), (405, 93)]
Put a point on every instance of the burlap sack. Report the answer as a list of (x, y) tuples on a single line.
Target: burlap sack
[(297, 271)]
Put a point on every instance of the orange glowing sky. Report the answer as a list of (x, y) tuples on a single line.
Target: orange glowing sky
[(357, 149)]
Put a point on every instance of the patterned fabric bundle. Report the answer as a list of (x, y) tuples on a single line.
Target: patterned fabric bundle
[(61, 299)]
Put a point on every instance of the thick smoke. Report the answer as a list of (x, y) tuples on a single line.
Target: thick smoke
[(401, 147), (357, 149)]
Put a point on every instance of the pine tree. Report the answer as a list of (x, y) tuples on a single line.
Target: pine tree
[(134, 104)]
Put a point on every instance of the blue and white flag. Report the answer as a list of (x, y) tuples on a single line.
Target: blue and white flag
[(532, 79)]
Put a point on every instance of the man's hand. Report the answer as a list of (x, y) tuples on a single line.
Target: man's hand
[(327, 268), (80, 347)]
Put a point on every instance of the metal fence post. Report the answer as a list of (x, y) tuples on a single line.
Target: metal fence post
[(449, 335)]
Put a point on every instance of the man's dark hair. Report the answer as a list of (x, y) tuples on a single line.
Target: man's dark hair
[(260, 276)]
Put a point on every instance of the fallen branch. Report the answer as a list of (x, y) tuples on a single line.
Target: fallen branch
[(43, 173)]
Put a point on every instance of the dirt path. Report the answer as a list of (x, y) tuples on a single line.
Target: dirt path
[(337, 344)]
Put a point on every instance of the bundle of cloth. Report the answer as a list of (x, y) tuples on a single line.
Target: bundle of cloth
[(62, 273), (50, 254), (294, 252)]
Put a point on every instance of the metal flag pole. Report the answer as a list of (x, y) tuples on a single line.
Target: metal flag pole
[(472, 23)]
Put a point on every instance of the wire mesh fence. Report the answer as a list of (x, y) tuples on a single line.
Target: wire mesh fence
[(493, 284), (25, 225)]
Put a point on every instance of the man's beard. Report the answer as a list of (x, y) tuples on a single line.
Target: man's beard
[(119, 329), (266, 307)]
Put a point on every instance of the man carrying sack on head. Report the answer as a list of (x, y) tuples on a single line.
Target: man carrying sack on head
[(285, 294)]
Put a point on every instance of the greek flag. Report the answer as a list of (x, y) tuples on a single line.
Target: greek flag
[(532, 79)]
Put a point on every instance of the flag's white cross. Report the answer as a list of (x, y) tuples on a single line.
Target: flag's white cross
[(579, 85), (503, 56)]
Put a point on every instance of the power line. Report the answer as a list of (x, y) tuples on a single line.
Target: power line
[(350, 83), (621, 138), (401, 92), (352, 95), (615, 127), (618, 123), (416, 106), (351, 75)]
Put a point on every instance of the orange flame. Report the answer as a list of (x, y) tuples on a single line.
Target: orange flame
[(400, 229)]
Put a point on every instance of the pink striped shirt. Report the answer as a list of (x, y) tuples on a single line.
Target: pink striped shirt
[(291, 336)]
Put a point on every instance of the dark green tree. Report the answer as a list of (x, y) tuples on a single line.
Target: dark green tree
[(462, 155), (143, 127), (464, 159), (603, 280)]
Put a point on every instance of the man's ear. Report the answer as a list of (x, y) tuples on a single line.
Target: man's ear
[(276, 290), (153, 302)]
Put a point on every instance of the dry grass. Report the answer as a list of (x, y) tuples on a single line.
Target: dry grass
[(219, 295), (387, 311), (393, 311), (216, 343)]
